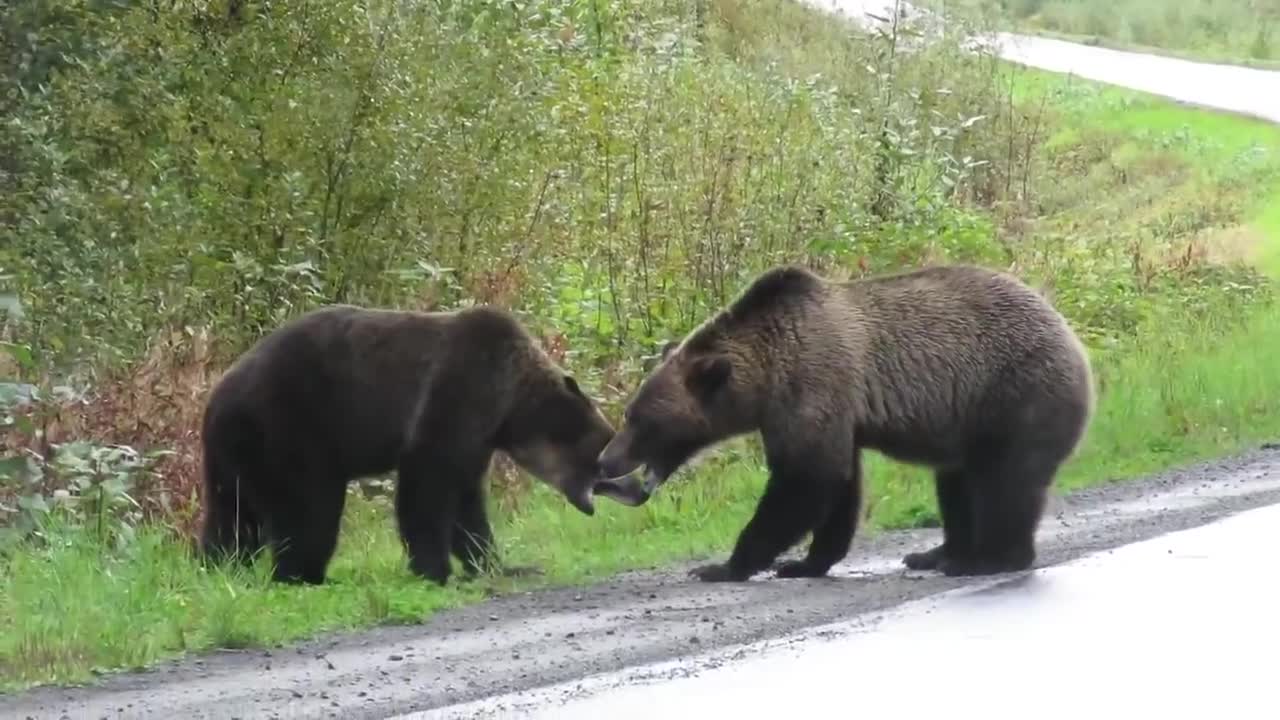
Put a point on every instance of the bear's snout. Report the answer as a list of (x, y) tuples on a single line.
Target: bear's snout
[(617, 467), (615, 460)]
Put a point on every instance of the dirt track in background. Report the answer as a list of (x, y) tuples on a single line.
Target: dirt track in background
[(532, 639)]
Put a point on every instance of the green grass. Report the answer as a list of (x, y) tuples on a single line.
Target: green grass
[(1267, 223), (1194, 378), (70, 607), (1201, 395), (1224, 161)]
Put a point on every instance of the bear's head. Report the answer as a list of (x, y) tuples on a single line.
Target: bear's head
[(556, 433), (687, 403)]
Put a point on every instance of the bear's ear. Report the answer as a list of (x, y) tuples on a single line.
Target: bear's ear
[(708, 373), (670, 346)]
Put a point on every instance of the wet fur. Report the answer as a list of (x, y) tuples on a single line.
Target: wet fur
[(957, 368), (345, 392)]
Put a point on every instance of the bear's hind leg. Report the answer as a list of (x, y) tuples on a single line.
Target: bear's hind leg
[(230, 528), (955, 505), (303, 529), (1008, 503), (832, 538)]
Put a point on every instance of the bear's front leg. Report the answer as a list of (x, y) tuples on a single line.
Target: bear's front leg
[(785, 513), (429, 491), (425, 530), (473, 541), (805, 483), (833, 535), (426, 562)]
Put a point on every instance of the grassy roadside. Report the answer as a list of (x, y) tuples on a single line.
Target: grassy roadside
[(1114, 172), (1225, 57), (1237, 32)]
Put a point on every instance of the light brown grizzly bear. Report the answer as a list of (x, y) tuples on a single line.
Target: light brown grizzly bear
[(344, 392), (958, 368)]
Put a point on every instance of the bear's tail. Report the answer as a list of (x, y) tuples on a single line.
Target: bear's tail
[(230, 527)]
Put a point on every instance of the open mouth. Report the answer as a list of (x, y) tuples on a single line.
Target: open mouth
[(633, 489), (629, 490), (652, 480)]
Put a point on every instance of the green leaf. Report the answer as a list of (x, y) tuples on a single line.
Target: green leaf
[(14, 467), (34, 502), (10, 305)]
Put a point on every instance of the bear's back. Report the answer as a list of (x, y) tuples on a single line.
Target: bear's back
[(945, 351)]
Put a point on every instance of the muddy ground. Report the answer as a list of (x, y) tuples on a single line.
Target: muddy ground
[(532, 639)]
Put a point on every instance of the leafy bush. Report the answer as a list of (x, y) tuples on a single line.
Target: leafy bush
[(182, 179), (81, 485), (605, 167)]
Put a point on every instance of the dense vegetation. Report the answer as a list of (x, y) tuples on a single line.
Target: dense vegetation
[(178, 180)]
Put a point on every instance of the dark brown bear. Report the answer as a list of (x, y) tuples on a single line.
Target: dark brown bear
[(958, 368), (344, 392)]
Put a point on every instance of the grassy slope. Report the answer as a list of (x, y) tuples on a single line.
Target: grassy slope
[(1171, 396)]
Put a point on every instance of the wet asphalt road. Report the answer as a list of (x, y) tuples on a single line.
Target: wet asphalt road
[(1180, 625), (529, 640)]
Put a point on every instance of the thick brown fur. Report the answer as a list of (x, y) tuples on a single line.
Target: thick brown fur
[(958, 368), (345, 392)]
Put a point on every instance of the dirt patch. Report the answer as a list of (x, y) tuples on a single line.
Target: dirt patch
[(1232, 245)]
